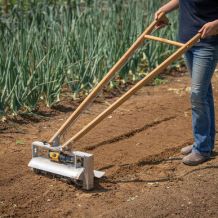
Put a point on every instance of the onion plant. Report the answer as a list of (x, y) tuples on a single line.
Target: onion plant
[(48, 45)]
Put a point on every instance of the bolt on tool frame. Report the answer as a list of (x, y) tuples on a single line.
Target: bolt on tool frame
[(76, 166)]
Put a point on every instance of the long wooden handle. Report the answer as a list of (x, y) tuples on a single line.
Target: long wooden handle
[(133, 90), (105, 80), (179, 44)]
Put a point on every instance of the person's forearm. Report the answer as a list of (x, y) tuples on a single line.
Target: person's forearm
[(170, 6)]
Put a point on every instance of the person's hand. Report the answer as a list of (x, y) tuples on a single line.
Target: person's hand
[(209, 29), (161, 22)]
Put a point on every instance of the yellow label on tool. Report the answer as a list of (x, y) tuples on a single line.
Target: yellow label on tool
[(54, 156)]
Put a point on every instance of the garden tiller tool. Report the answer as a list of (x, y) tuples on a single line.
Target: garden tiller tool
[(58, 158)]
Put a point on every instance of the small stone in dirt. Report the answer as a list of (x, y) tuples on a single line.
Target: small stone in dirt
[(139, 143), (49, 200), (186, 114), (188, 89), (155, 184), (132, 198)]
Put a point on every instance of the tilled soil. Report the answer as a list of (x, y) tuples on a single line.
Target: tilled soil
[(138, 148)]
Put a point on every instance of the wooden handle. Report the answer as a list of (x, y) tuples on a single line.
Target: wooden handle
[(104, 81), (133, 90), (179, 44)]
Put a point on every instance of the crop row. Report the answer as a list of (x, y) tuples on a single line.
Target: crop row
[(45, 47)]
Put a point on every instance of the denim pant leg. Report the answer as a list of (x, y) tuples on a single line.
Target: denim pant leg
[(212, 116), (201, 62)]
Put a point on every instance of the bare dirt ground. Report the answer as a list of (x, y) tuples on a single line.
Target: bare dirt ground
[(137, 146)]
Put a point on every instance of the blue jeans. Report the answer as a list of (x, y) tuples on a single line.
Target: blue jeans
[(201, 62)]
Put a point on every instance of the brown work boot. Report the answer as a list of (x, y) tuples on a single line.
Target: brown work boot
[(194, 159), (186, 150)]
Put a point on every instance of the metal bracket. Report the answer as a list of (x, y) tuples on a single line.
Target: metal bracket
[(56, 141)]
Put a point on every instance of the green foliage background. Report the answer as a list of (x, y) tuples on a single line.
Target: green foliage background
[(47, 45)]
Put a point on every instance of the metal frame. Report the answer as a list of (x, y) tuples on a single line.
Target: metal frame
[(83, 171)]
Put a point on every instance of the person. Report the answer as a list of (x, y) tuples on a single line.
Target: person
[(201, 60)]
